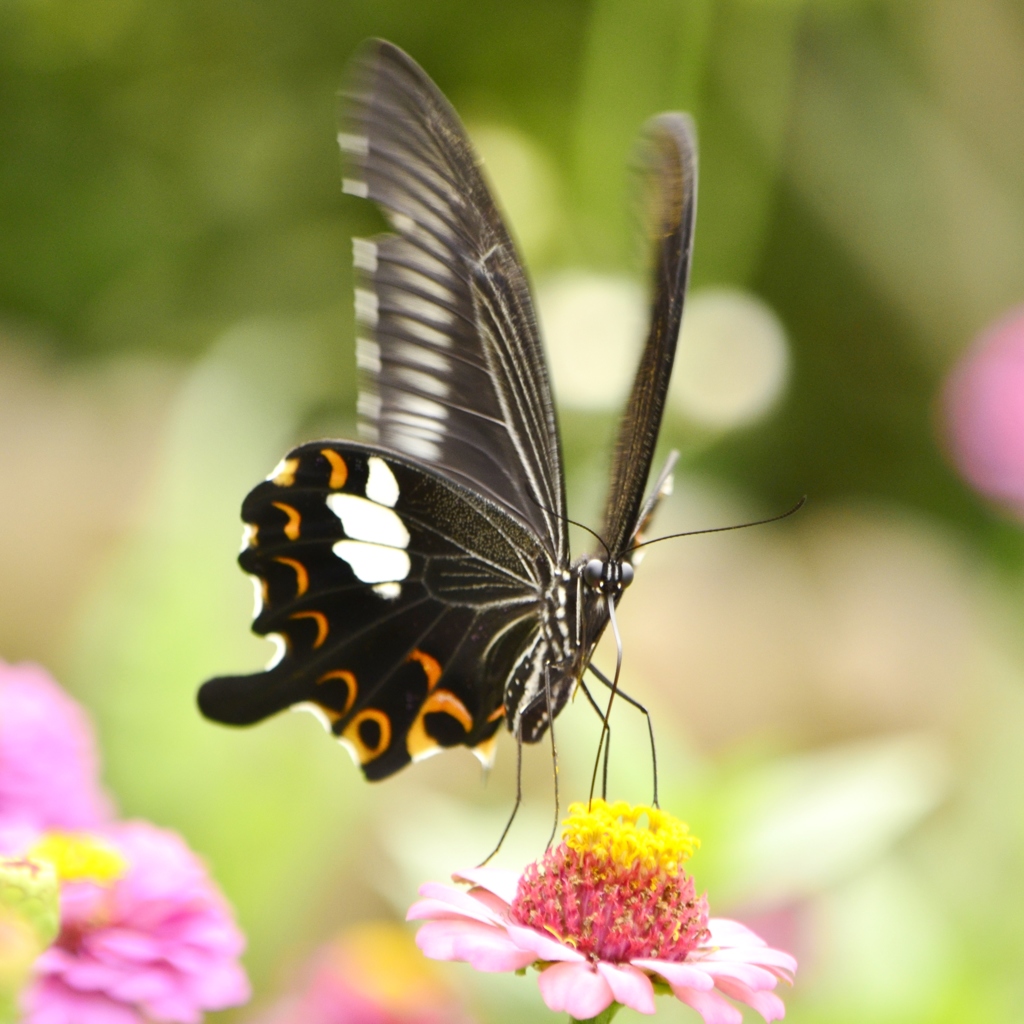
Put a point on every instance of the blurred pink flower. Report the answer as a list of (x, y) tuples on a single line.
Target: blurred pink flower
[(606, 917), (984, 412), (370, 974), (145, 934), (49, 776)]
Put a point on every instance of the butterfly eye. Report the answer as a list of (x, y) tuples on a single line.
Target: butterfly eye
[(627, 574), (593, 572)]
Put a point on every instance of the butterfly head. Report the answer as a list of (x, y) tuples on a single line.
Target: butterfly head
[(607, 576)]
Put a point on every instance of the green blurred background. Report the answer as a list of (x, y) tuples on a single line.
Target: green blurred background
[(839, 698)]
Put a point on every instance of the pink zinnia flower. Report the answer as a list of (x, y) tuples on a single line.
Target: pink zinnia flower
[(370, 974), (608, 916), (145, 934), (984, 411), (49, 775)]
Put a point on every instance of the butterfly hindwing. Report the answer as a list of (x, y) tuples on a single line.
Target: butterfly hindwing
[(388, 588)]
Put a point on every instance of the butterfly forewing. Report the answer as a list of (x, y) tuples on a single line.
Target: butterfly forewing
[(452, 370), (400, 599), (669, 183)]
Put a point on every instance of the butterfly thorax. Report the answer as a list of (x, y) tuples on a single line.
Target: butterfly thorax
[(572, 618)]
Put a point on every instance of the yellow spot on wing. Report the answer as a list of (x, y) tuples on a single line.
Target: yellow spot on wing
[(364, 752), (285, 476), (339, 471), (321, 624), (431, 667), (291, 528), (302, 577), (350, 681), (496, 714)]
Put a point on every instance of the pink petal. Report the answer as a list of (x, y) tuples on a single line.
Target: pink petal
[(629, 986), (459, 900), (496, 880), (545, 947), (710, 1005), (768, 1004), (486, 947), (442, 910), (756, 978), (725, 932), (575, 989), (678, 975), (764, 956)]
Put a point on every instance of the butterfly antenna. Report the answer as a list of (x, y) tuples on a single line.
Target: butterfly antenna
[(573, 522), (519, 796), (721, 529), (614, 688)]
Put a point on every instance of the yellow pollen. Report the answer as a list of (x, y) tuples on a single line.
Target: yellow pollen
[(613, 833), (78, 857)]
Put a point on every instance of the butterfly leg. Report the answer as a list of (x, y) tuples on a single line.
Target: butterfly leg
[(519, 795), (650, 724), (614, 687), (554, 749), (607, 742)]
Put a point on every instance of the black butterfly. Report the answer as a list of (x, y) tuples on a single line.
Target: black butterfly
[(419, 582)]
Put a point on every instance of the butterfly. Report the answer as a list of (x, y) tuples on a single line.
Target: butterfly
[(418, 582)]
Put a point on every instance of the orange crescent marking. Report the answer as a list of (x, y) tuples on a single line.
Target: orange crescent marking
[(339, 471), (496, 714), (446, 702), (287, 475), (350, 681), (418, 741), (302, 577), (431, 666), (291, 528), (367, 753), (321, 625)]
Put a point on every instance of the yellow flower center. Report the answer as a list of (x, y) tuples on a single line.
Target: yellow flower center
[(78, 857), (615, 833)]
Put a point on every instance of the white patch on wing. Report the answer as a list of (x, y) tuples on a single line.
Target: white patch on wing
[(423, 309), (257, 593), (420, 447), (422, 381), (358, 144), (282, 648), (366, 307), (367, 355), (431, 335), (424, 357), (401, 222), (368, 520), (316, 711), (374, 563), (248, 533), (420, 406), (368, 405), (354, 187), (381, 485), (364, 255), (389, 591)]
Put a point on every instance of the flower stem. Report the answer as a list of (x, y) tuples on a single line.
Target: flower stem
[(601, 1018)]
